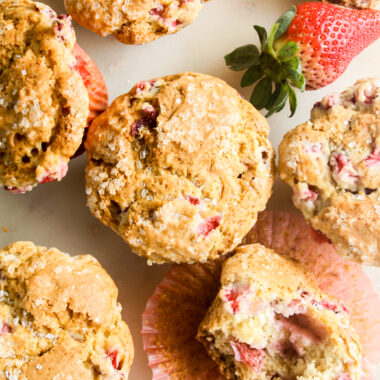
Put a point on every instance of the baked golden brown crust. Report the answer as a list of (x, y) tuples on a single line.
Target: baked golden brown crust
[(136, 21), (179, 167), (360, 4), (271, 321), (43, 101), (332, 163), (59, 317)]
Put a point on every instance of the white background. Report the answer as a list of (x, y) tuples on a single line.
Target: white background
[(56, 214)]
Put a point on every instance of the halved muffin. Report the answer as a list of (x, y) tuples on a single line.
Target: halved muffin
[(270, 320)]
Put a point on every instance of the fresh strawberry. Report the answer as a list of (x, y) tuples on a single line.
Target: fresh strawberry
[(330, 37), (309, 46), (94, 82)]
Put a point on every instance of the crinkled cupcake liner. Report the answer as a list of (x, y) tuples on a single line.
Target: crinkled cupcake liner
[(95, 85), (171, 319)]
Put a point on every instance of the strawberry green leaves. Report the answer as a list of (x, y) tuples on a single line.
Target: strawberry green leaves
[(284, 21), (275, 69), (243, 57), (251, 76), (262, 93)]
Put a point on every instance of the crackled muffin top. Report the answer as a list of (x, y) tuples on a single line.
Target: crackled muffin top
[(179, 167), (332, 163), (135, 21), (59, 317), (43, 102), (271, 320)]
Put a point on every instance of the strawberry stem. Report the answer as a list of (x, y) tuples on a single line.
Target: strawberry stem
[(275, 69)]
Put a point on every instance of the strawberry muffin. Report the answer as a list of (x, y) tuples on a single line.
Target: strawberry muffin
[(270, 320), (47, 94), (179, 167), (59, 317), (134, 21), (332, 162), (360, 4)]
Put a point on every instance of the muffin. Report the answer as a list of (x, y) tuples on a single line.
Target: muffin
[(134, 21), (179, 168), (59, 317), (44, 102), (332, 162), (360, 4), (270, 320)]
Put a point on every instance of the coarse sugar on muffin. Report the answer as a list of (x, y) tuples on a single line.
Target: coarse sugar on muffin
[(332, 162), (59, 317), (44, 103), (179, 167), (135, 21), (270, 320)]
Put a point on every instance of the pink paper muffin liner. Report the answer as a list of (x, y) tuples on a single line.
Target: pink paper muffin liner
[(179, 303), (171, 319)]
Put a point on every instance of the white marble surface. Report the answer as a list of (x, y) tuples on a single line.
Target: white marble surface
[(56, 214)]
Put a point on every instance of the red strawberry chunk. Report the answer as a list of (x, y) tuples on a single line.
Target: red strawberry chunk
[(373, 158), (344, 376), (174, 23), (5, 328), (193, 200), (240, 298), (149, 110), (231, 296), (329, 305), (252, 357), (336, 308), (144, 85), (47, 179), (16, 190), (158, 11), (209, 225), (54, 176), (344, 172), (305, 294), (341, 162), (62, 26), (329, 101), (144, 122), (114, 360), (308, 195)]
